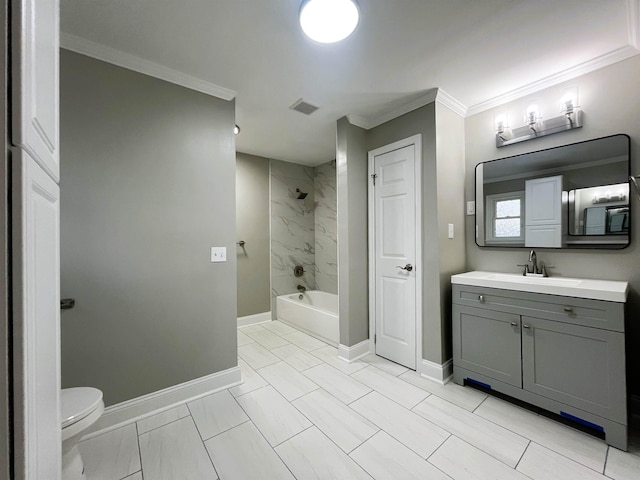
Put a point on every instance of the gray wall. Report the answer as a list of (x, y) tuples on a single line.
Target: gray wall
[(148, 186), (252, 219), (353, 280), (326, 227), (292, 229), (4, 255), (610, 98), (450, 201)]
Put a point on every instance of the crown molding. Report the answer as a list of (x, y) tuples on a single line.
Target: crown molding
[(589, 66), (369, 122), (358, 121), (448, 101), (140, 65), (633, 19)]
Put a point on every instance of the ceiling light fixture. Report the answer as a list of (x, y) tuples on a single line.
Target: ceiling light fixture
[(329, 21)]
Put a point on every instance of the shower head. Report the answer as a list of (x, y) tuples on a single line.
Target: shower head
[(301, 195)]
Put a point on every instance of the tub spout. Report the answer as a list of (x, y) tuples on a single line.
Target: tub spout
[(302, 288)]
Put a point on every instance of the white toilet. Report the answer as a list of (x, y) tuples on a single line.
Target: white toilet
[(81, 407)]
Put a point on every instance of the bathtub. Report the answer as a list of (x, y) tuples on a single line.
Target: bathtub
[(316, 313)]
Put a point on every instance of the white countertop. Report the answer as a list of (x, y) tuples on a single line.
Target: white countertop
[(611, 291)]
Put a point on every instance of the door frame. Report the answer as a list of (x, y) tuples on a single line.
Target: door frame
[(415, 140)]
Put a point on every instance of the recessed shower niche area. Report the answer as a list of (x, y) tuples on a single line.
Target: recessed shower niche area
[(286, 218)]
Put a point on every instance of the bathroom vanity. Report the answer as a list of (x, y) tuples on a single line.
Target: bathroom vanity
[(557, 343)]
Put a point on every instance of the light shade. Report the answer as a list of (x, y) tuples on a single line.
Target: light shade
[(329, 21)]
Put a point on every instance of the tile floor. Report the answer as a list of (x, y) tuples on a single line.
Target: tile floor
[(304, 414)]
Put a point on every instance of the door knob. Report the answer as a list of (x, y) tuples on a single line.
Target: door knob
[(408, 267)]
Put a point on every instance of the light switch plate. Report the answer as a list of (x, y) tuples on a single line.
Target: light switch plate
[(471, 208), (218, 254), (451, 230)]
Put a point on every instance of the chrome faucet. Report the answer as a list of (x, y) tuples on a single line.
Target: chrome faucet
[(533, 263), (302, 288), (532, 268)]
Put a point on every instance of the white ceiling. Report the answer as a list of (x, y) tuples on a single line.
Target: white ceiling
[(480, 52)]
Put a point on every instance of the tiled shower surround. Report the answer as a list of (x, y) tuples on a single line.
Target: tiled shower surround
[(303, 232), (326, 226)]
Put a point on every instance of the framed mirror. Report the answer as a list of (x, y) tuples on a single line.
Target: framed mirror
[(573, 196)]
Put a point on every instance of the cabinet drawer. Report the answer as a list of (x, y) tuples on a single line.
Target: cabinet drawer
[(577, 311)]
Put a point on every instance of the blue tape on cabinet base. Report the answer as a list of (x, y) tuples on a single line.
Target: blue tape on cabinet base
[(579, 420), (476, 382)]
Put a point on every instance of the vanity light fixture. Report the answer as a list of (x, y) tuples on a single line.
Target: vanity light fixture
[(502, 127), (329, 21), (532, 116), (536, 127)]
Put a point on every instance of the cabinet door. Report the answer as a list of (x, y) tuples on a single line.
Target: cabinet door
[(488, 342), (34, 69), (578, 366), (36, 321)]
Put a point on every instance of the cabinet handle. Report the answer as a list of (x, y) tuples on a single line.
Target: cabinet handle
[(481, 298), (568, 309), (514, 324), (524, 325)]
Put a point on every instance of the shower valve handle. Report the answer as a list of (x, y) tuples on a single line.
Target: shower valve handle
[(408, 267)]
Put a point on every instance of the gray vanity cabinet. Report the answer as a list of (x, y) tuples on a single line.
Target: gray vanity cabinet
[(563, 354)]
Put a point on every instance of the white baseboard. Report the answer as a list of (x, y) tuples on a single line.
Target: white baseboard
[(436, 372), (138, 408), (253, 319), (351, 354)]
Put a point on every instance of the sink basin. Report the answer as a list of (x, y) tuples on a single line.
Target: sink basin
[(612, 291), (568, 282)]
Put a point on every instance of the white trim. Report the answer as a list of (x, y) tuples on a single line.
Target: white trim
[(589, 66), (434, 371), (370, 122), (453, 104), (135, 409), (633, 19), (351, 354), (140, 65), (358, 121), (417, 141), (253, 319)]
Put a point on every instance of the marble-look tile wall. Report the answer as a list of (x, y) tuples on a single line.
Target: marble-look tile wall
[(292, 229), (326, 227)]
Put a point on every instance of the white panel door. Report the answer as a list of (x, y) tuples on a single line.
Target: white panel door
[(36, 320), (395, 255), (543, 201), (543, 212), (34, 70)]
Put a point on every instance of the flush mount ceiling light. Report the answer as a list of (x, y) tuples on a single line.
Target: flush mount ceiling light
[(329, 21)]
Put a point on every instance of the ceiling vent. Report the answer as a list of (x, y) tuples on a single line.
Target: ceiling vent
[(303, 107)]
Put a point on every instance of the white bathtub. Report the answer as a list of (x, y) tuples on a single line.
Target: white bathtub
[(316, 313)]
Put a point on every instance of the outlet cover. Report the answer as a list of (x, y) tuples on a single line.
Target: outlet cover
[(451, 230), (471, 208), (218, 254)]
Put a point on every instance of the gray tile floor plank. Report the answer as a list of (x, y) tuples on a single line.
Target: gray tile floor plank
[(175, 452), (243, 453)]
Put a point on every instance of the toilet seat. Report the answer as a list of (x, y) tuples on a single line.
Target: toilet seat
[(78, 403)]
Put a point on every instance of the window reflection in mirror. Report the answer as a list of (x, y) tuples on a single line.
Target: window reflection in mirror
[(574, 196)]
